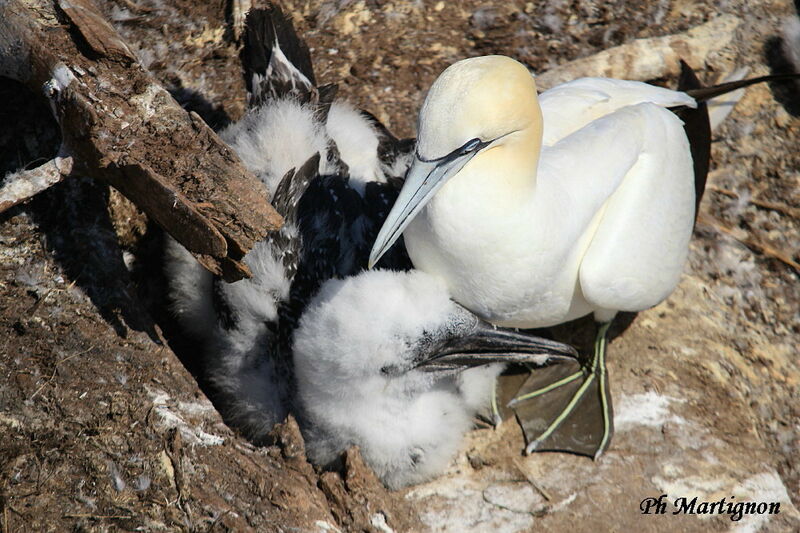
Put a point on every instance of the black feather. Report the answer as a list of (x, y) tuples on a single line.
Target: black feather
[(390, 148), (707, 93), (698, 130), (696, 123), (286, 243), (327, 93), (337, 227), (275, 60), (292, 187)]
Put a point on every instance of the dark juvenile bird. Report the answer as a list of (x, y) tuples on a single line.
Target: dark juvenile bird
[(383, 360)]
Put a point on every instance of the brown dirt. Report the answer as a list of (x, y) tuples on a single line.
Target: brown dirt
[(103, 427)]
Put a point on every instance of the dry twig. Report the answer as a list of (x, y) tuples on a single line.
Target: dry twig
[(529, 479), (749, 241), (775, 206)]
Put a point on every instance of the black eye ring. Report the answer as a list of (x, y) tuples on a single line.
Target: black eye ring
[(473, 145), (470, 146)]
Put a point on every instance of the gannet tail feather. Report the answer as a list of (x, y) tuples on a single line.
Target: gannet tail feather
[(276, 61), (707, 93), (696, 120), (697, 126)]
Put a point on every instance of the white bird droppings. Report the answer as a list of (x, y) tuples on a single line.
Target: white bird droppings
[(646, 409), (192, 434), (378, 521), (325, 526), (764, 487)]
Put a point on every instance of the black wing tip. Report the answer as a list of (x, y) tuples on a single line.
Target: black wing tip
[(327, 94), (697, 126), (264, 28), (292, 187), (688, 79), (256, 45)]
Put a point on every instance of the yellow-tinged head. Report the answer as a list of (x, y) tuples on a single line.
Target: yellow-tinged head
[(477, 104), (482, 98)]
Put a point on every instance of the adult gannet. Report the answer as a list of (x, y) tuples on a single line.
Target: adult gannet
[(382, 360), (538, 209)]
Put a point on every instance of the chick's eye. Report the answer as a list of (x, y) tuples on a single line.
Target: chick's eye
[(389, 370)]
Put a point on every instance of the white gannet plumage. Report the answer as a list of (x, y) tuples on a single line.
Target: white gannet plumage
[(572, 105), (536, 210), (529, 234), (293, 338)]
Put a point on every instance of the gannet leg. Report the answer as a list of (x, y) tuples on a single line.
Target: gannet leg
[(493, 418), (599, 366), (576, 415), (497, 418)]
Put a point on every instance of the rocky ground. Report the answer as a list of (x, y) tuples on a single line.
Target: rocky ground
[(104, 427)]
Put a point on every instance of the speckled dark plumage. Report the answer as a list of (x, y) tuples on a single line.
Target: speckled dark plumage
[(266, 76), (328, 226)]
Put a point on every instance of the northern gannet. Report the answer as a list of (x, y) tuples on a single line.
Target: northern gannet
[(538, 209), (382, 360)]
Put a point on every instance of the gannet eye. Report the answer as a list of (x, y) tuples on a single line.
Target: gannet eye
[(469, 146)]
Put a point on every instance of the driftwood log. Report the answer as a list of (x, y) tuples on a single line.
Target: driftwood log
[(118, 124)]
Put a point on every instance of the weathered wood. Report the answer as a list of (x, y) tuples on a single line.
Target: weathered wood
[(647, 59), (20, 186), (118, 124)]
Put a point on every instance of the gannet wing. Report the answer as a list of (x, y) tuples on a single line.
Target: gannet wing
[(635, 257), (697, 125), (290, 118), (578, 174), (244, 354), (338, 225), (246, 328), (249, 305), (572, 105), (275, 60), (282, 128)]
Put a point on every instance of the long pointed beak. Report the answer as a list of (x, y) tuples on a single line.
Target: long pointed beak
[(487, 344), (422, 181)]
